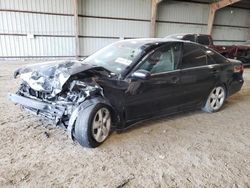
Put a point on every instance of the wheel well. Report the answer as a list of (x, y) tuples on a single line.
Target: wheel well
[(226, 88), (114, 115)]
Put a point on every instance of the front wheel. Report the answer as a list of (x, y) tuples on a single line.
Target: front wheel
[(93, 125), (215, 99)]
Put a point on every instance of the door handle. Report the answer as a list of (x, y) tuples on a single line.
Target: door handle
[(214, 71), (175, 79)]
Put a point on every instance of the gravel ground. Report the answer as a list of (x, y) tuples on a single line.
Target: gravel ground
[(194, 149)]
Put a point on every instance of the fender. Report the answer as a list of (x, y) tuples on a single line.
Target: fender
[(85, 104)]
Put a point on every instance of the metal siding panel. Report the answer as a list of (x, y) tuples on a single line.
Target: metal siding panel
[(139, 9), (1, 45), (164, 29), (12, 43), (53, 6), (248, 20), (183, 12), (232, 16), (136, 9), (90, 45), (224, 33), (40, 46), (1, 21), (57, 46), (198, 13), (113, 28), (72, 46), (16, 22)]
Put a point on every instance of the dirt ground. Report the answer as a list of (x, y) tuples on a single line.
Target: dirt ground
[(194, 149)]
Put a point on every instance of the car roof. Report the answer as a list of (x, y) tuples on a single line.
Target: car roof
[(158, 41), (152, 41)]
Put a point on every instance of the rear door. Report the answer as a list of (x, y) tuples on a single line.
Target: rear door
[(198, 75)]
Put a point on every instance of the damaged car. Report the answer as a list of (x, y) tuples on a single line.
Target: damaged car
[(127, 82)]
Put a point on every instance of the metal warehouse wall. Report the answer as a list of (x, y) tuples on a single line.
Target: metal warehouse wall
[(50, 21), (231, 25), (106, 21), (103, 22)]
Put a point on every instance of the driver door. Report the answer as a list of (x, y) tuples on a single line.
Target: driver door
[(158, 94)]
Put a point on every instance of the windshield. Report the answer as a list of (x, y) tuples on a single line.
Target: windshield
[(117, 56)]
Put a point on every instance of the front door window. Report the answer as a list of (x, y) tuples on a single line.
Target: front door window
[(164, 59)]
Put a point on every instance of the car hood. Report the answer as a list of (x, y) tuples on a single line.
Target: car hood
[(51, 76)]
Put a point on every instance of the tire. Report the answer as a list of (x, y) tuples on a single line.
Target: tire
[(93, 125), (215, 99)]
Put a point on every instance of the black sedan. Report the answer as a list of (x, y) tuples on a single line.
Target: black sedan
[(126, 82)]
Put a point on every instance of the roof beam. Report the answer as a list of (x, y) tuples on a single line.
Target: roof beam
[(154, 6), (223, 3), (77, 30), (212, 10)]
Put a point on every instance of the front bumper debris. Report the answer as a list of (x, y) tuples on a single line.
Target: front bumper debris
[(50, 111)]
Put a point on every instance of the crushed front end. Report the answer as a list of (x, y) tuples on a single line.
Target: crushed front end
[(55, 90), (51, 111)]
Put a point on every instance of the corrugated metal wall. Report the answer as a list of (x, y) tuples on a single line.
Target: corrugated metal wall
[(231, 25), (51, 22), (106, 21), (36, 28)]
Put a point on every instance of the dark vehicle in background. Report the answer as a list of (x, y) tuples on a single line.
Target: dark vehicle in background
[(239, 52), (127, 82)]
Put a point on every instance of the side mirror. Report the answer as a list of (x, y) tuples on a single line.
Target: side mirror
[(141, 75)]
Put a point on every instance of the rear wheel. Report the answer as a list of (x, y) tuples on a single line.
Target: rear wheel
[(93, 125), (215, 99)]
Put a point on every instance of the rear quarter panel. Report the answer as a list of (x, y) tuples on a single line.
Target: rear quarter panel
[(233, 81)]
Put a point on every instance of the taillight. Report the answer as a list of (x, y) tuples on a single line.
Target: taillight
[(238, 68)]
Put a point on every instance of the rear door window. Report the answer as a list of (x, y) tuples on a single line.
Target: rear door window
[(193, 56)]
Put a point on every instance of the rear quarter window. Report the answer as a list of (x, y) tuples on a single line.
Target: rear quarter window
[(213, 56), (218, 59)]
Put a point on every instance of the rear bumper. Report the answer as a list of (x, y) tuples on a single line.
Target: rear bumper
[(50, 111), (235, 86)]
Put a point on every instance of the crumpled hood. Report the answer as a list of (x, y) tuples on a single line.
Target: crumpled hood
[(51, 76)]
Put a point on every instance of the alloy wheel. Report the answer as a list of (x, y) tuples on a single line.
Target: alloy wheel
[(217, 97), (101, 124)]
